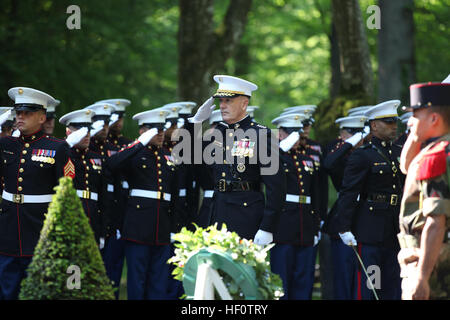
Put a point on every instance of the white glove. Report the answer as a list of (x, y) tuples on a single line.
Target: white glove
[(118, 234), (102, 243), (180, 123), (147, 136), (354, 139), (204, 111), (287, 143), (263, 237), (76, 136), (4, 117), (348, 238), (16, 133), (366, 131), (317, 238), (113, 119), (172, 235), (168, 125), (447, 80), (96, 127)]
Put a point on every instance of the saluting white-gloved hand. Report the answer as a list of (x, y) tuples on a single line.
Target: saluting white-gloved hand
[(113, 119), (263, 237), (180, 123), (348, 238), (204, 111), (366, 131), (76, 136), (16, 133), (147, 136), (4, 117), (96, 127), (354, 139), (287, 143)]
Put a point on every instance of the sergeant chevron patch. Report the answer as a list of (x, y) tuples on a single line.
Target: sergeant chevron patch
[(69, 169)]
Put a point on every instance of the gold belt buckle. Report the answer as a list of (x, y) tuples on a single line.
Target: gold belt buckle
[(18, 198), (222, 185), (158, 195), (86, 194), (394, 199), (301, 199)]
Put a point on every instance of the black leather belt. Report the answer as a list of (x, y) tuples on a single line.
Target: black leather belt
[(392, 199), (226, 186)]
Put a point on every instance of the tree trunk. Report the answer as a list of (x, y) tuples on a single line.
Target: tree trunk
[(356, 76), (335, 64), (204, 49), (355, 85), (397, 68)]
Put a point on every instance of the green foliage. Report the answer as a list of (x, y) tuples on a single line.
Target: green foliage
[(241, 250), (66, 239)]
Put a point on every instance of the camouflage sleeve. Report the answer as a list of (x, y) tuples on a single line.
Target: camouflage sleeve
[(436, 196)]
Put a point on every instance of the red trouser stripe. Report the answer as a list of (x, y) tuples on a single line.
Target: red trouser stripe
[(359, 274)]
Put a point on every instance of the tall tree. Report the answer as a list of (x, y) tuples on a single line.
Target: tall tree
[(396, 59), (203, 48), (356, 82)]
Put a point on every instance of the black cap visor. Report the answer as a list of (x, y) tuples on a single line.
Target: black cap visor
[(32, 107), (292, 129), (79, 125), (101, 117), (159, 126)]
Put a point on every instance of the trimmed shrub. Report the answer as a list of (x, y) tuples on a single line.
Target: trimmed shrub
[(67, 264)]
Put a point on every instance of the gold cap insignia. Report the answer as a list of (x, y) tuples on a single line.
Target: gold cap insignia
[(20, 91)]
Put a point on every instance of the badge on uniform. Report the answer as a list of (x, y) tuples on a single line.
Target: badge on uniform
[(96, 164), (69, 169), (111, 152), (170, 160), (243, 148), (309, 165), (316, 148), (315, 158), (43, 155), (240, 167)]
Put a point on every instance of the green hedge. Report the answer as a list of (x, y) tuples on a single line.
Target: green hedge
[(66, 240)]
